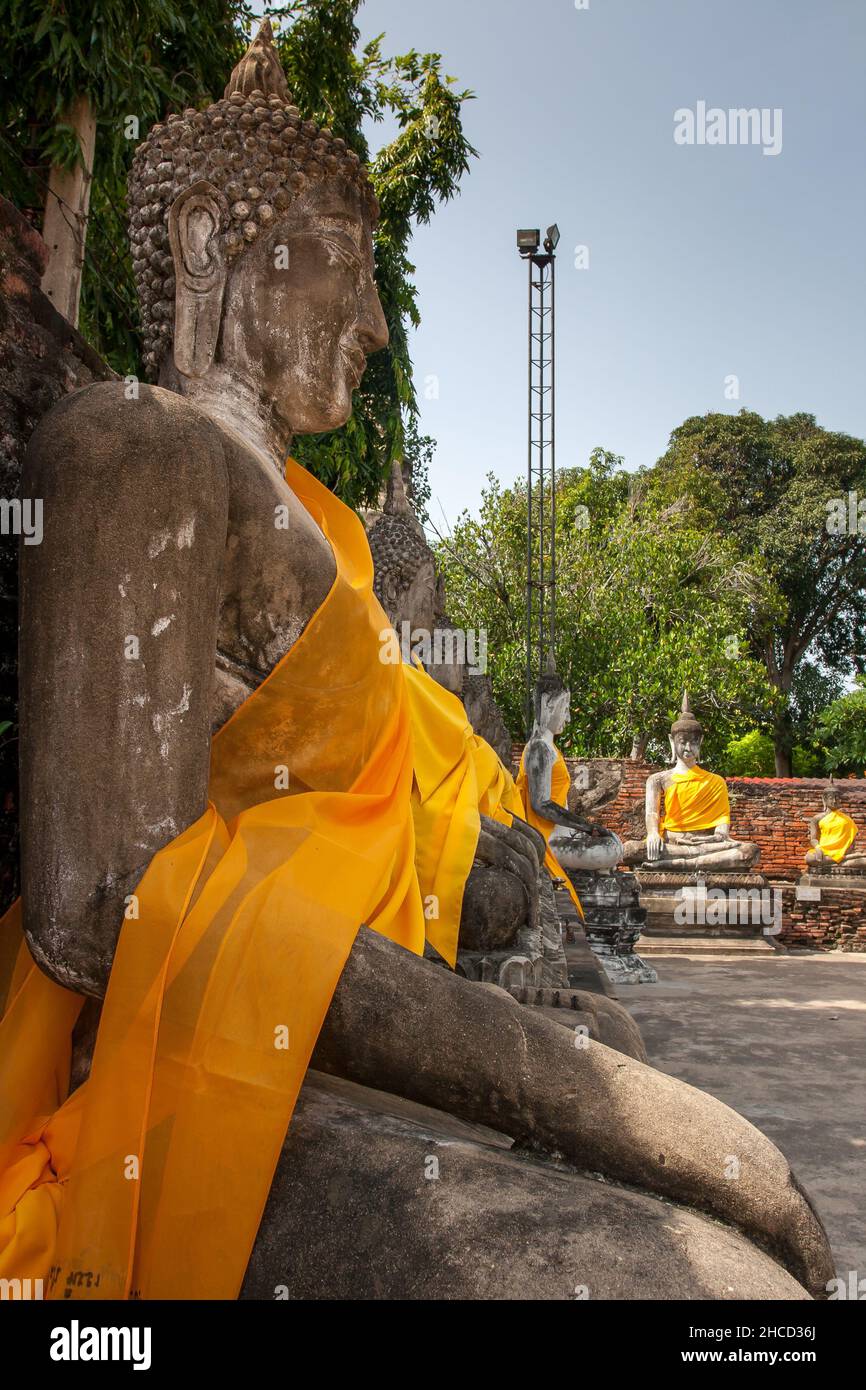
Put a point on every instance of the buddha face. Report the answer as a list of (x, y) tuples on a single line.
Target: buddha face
[(555, 710), (686, 746), (830, 799), (298, 310)]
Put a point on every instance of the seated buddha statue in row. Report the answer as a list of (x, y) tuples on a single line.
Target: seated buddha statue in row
[(694, 832), (833, 835)]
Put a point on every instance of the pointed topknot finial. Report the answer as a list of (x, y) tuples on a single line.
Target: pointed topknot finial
[(396, 501), (260, 70), (687, 722)]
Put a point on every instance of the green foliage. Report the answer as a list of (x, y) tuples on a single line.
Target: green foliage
[(138, 60), (647, 604), (766, 485), (753, 755), (148, 58), (842, 728)]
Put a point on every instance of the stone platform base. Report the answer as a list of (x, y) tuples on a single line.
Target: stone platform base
[(708, 914), (833, 878)]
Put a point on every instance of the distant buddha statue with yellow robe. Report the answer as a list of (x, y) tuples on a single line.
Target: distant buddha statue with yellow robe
[(833, 835), (543, 783), (694, 829)]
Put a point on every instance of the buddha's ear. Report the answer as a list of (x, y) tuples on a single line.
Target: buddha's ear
[(197, 217)]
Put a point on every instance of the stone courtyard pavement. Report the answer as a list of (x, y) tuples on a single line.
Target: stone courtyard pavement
[(782, 1040)]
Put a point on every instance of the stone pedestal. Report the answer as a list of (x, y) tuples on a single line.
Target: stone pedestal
[(707, 914), (614, 920), (837, 877)]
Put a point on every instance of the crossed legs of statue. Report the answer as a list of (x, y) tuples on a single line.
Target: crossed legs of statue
[(500, 1064), (819, 863), (685, 851)]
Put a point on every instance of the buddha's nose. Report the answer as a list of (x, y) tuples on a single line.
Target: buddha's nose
[(372, 330)]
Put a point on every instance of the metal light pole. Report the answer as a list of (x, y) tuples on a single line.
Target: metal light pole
[(541, 462)]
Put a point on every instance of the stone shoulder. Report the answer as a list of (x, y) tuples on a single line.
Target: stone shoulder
[(101, 427)]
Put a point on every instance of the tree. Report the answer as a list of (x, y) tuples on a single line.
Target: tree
[(134, 64), (787, 494), (647, 604), (842, 728), (122, 66)]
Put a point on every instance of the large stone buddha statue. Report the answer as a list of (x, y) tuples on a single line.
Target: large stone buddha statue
[(232, 815), (694, 833)]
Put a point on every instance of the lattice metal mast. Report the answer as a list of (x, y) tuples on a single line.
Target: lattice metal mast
[(541, 460)]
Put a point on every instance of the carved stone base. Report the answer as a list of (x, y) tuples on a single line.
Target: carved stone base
[(837, 877), (731, 911), (614, 920)]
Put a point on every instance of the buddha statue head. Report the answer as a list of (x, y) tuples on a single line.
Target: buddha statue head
[(686, 735), (251, 234), (830, 796), (552, 700)]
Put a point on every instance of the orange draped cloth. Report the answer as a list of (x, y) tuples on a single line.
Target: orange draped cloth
[(458, 778), (560, 782), (836, 834), (150, 1180), (696, 800)]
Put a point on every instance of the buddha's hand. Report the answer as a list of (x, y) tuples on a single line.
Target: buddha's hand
[(654, 845), (722, 831)]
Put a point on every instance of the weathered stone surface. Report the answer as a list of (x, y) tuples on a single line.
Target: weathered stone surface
[(602, 1111), (351, 1215), (42, 359), (607, 1020)]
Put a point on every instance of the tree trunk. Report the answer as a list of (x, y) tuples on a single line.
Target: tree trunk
[(65, 225), (638, 747), (783, 739)]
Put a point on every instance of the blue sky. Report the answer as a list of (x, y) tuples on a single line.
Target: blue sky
[(705, 261)]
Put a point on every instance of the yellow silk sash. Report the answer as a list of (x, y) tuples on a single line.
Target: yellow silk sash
[(696, 800), (458, 777), (151, 1179), (837, 833), (560, 783)]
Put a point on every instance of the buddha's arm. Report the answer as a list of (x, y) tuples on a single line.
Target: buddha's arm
[(539, 766), (815, 831), (119, 607), (654, 839)]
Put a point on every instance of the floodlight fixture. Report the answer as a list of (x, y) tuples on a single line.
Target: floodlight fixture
[(528, 240)]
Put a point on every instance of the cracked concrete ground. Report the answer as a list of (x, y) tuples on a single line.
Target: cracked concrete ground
[(783, 1041)]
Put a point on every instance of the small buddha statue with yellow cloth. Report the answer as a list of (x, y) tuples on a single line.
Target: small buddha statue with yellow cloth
[(694, 832), (833, 835)]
